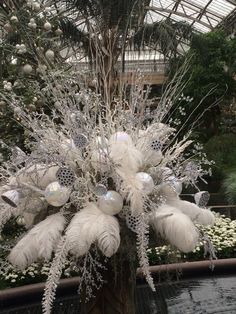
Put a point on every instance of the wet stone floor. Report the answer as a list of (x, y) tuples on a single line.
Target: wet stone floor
[(212, 295)]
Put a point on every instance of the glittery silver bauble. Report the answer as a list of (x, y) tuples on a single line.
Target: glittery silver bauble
[(80, 140), (111, 203), (147, 182), (191, 170), (202, 198), (65, 176), (156, 145), (56, 195), (100, 189), (27, 69), (20, 221), (11, 197), (121, 137)]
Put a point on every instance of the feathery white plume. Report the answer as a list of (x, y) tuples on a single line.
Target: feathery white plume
[(91, 225), (108, 236), (126, 156), (132, 188), (199, 215), (39, 242), (177, 228)]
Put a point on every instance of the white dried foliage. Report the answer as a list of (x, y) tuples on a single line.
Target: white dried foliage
[(177, 228), (39, 242), (54, 276), (92, 225), (142, 230)]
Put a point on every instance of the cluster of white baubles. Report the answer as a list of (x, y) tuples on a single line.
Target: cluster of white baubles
[(32, 24), (21, 48), (7, 85)]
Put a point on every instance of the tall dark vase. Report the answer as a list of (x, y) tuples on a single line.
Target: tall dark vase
[(117, 295)]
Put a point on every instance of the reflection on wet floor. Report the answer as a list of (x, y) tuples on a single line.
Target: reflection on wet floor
[(214, 295)]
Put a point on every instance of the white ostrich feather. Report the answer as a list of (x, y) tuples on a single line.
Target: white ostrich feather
[(108, 236), (195, 213), (126, 156), (132, 187), (39, 242), (91, 225), (177, 228)]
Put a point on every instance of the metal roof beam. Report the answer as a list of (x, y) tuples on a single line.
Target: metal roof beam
[(159, 9)]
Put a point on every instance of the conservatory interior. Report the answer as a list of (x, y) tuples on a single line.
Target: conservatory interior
[(117, 156)]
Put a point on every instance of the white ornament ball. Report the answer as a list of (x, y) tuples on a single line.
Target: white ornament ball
[(111, 203), (147, 182), (14, 19), (20, 221), (7, 27), (32, 25), (27, 69), (121, 137), (49, 54), (56, 195), (36, 7), (58, 32), (47, 26)]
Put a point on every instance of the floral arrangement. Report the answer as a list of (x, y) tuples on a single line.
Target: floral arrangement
[(94, 170)]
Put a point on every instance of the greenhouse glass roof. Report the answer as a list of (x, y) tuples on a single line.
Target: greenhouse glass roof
[(203, 15)]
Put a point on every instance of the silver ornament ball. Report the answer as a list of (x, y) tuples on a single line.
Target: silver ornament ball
[(27, 69), (57, 195), (111, 203), (47, 26), (147, 182), (49, 54), (121, 137)]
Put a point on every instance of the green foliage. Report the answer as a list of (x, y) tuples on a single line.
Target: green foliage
[(222, 149), (210, 79), (163, 36), (229, 187)]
